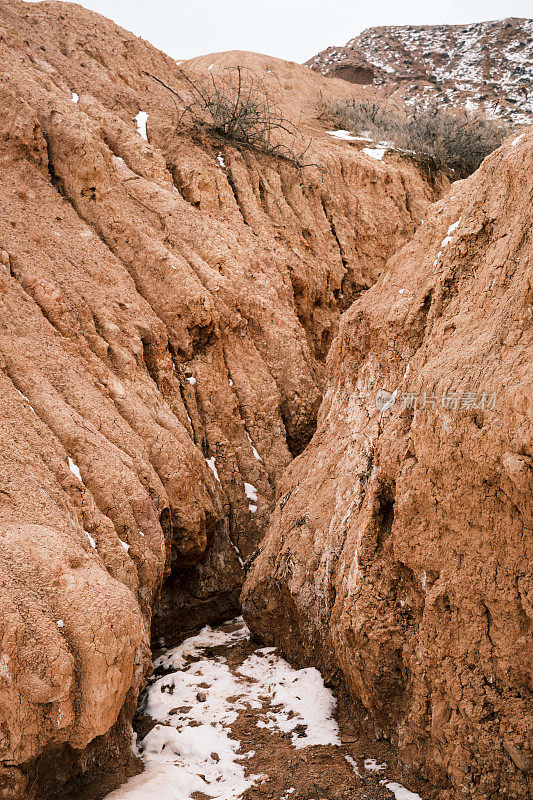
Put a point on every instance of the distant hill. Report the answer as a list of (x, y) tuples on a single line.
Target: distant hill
[(486, 66)]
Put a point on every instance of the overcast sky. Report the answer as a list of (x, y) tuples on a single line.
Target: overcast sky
[(290, 29)]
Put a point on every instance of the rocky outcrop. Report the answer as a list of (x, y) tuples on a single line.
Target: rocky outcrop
[(167, 301), (398, 559), (483, 67)]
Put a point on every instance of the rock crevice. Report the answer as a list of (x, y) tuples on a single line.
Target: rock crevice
[(167, 302), (397, 558)]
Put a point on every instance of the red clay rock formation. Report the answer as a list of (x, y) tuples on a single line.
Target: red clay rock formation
[(399, 556), (166, 306)]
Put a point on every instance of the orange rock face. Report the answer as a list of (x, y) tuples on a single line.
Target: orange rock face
[(167, 301), (398, 558)]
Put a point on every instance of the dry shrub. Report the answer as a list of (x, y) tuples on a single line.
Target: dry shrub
[(235, 105), (436, 138)]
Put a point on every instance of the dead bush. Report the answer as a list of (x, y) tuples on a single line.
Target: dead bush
[(435, 137), (235, 105)]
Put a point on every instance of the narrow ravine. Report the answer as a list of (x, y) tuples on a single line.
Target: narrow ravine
[(224, 718)]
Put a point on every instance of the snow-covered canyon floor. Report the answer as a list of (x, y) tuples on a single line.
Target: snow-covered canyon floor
[(228, 719)]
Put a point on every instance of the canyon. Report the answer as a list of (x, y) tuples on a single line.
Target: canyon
[(193, 333)]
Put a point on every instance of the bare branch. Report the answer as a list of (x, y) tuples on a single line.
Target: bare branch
[(237, 106)]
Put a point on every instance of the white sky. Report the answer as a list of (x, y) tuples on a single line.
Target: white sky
[(294, 30)]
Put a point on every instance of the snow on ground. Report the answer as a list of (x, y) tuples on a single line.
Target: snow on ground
[(373, 766), (298, 697), (448, 238), (251, 494), (375, 152), (353, 764), (92, 541), (254, 451), (202, 693), (73, 467), (28, 402), (141, 120), (192, 749), (212, 466), (345, 135), (399, 791), (178, 657)]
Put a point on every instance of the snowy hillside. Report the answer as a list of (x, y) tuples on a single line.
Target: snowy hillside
[(484, 66)]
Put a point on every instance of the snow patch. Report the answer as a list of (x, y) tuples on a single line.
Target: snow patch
[(353, 764), (60, 623), (191, 750), (124, 544), (221, 161), (372, 765), (344, 135), (26, 399), (299, 698), (518, 139), (192, 380), (75, 98), (254, 451), (399, 791), (73, 467), (375, 152), (141, 120), (211, 464), (237, 553), (251, 494), (448, 238), (178, 657)]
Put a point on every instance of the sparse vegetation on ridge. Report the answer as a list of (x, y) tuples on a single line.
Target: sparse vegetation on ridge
[(236, 106), (434, 137)]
